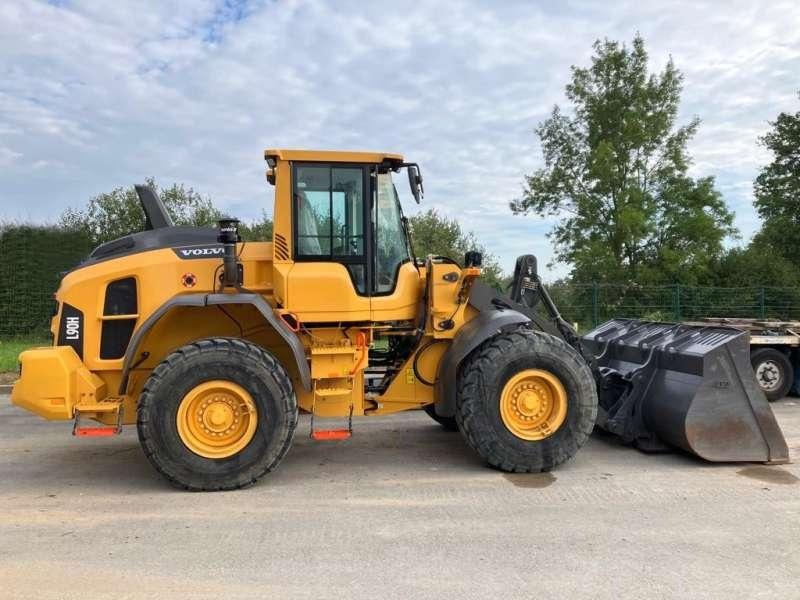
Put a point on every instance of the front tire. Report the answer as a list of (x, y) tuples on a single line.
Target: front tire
[(527, 401), (217, 414), (773, 371)]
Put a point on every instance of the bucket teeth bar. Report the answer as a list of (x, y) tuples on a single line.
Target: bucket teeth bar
[(691, 387)]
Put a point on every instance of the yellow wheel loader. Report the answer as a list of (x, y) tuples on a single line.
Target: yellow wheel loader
[(212, 346)]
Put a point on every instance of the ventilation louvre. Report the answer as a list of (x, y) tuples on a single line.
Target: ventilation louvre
[(281, 248)]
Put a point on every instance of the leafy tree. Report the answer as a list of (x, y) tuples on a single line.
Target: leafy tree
[(777, 189), (615, 175), (757, 264), (118, 213), (259, 230), (431, 233)]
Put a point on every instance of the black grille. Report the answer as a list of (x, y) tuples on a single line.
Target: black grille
[(115, 338), (116, 333), (121, 297)]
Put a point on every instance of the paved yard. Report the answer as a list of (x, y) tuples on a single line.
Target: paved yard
[(403, 510)]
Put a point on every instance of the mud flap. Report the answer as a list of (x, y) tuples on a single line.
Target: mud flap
[(685, 386)]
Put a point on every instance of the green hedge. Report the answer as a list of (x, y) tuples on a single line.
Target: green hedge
[(32, 259)]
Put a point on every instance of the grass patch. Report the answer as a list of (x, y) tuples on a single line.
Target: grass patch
[(11, 347)]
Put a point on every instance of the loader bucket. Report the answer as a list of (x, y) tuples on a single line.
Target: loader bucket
[(686, 386)]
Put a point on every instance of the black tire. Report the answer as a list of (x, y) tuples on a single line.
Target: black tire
[(481, 380), (449, 423), (242, 363), (773, 371)]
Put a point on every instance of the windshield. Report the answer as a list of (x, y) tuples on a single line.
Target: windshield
[(390, 243)]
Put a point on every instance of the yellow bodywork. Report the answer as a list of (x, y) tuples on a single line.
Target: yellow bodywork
[(336, 325), (54, 381)]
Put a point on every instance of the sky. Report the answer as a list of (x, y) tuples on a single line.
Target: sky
[(96, 95)]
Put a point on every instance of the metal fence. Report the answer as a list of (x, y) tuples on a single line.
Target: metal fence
[(591, 304)]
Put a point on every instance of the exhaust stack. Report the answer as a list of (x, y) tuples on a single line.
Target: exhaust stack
[(228, 236)]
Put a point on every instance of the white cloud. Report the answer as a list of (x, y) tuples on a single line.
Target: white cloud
[(92, 97)]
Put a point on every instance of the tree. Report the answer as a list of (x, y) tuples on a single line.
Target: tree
[(257, 231), (118, 213), (756, 265), (432, 233), (615, 175), (114, 214), (777, 189)]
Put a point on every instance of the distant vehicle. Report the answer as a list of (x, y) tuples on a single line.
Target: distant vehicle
[(774, 353)]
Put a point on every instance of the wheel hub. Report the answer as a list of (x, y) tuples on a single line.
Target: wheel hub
[(217, 419), (533, 404), (768, 375)]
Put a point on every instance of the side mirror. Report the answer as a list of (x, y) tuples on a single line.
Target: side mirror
[(415, 181)]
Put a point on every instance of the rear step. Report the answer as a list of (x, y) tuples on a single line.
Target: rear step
[(329, 435), (99, 407), (324, 435), (685, 386)]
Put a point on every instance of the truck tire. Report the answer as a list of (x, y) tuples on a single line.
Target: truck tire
[(217, 414), (774, 372), (526, 401), (449, 423)]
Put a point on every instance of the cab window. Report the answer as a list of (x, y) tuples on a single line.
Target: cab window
[(329, 217)]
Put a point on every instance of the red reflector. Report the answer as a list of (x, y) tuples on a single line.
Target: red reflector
[(331, 434)]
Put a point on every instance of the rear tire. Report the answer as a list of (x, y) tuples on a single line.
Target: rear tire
[(483, 379), (773, 371), (449, 423), (248, 370)]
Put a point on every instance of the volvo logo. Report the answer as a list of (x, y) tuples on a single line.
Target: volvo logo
[(195, 252)]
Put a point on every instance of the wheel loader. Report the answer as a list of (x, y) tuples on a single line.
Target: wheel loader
[(212, 346)]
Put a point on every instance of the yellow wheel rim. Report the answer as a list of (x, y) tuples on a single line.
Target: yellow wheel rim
[(216, 419), (533, 404)]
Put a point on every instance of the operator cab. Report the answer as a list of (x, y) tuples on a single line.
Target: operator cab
[(339, 224)]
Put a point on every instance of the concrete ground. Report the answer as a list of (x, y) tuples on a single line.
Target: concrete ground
[(403, 510)]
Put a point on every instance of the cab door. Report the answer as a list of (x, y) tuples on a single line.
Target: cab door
[(396, 284), (328, 281)]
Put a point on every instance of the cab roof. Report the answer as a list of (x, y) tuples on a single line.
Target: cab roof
[(333, 156)]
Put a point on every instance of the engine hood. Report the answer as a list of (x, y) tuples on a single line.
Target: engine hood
[(154, 239)]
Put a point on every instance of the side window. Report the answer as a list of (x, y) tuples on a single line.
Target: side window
[(329, 216), (347, 200), (390, 239), (312, 199)]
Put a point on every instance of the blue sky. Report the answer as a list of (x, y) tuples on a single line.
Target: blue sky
[(97, 95)]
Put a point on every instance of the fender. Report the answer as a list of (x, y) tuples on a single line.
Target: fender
[(211, 300), (487, 324)]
